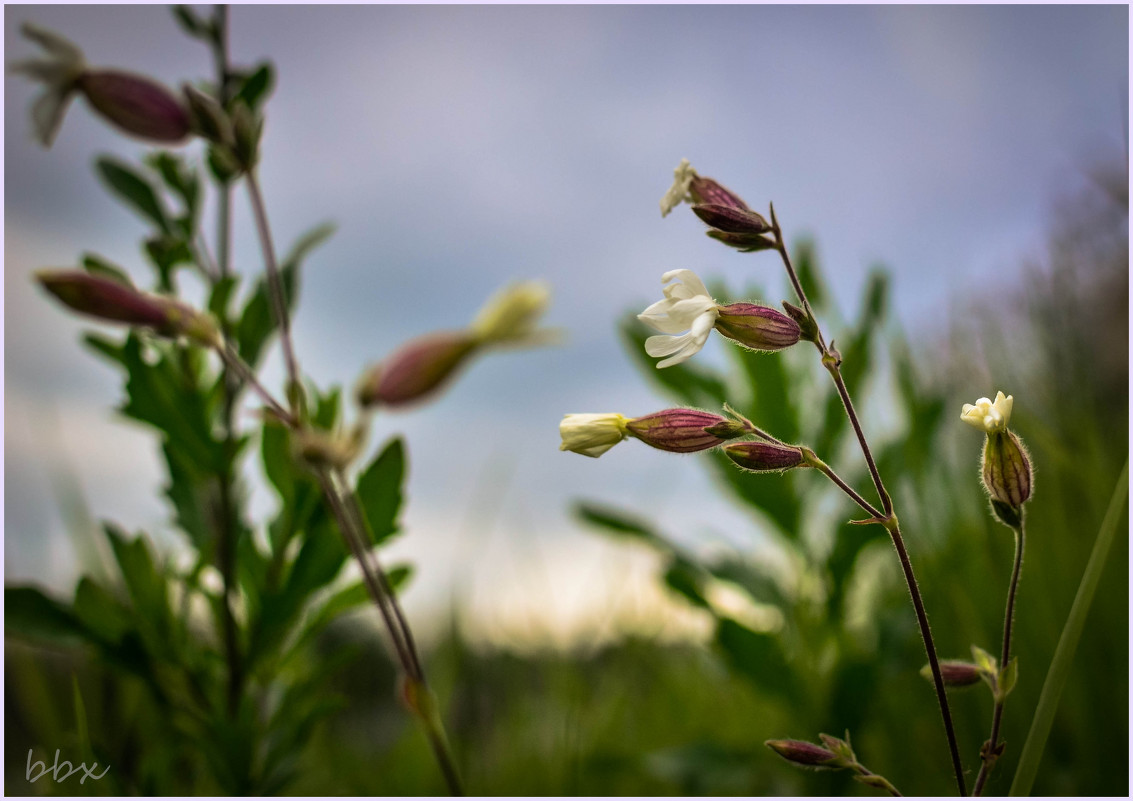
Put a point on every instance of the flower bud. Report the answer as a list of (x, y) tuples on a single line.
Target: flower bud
[(112, 300), (761, 456), (591, 434), (955, 673), (136, 105), (708, 191), (732, 220), (510, 316), (744, 243), (247, 128), (804, 753), (415, 371), (208, 118), (318, 448), (1006, 469), (680, 430), (757, 327)]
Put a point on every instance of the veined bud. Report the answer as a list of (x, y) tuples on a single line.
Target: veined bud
[(136, 105), (592, 434), (731, 219), (681, 430), (1006, 469), (510, 316), (808, 328), (806, 754), (708, 191), (955, 673), (209, 120), (763, 457), (757, 327), (745, 243), (112, 300), (415, 371)]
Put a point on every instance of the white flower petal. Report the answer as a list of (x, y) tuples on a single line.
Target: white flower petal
[(591, 434), (678, 192)]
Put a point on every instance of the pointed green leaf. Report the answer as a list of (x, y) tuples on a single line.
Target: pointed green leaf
[(380, 491), (133, 189), (29, 612)]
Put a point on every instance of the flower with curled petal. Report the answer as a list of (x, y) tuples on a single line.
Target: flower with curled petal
[(687, 308), (679, 192), (989, 416)]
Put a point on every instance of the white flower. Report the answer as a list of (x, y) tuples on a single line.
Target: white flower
[(510, 316), (59, 71), (591, 434), (988, 416), (687, 307), (678, 192)]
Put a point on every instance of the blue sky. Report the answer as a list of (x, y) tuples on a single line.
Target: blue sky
[(459, 148)]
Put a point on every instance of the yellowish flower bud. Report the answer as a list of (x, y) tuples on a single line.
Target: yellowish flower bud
[(511, 315), (592, 434)]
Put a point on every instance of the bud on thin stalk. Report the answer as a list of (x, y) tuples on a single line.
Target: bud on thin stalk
[(955, 673), (417, 370), (682, 430), (764, 457), (757, 327), (731, 219), (806, 754), (136, 105)]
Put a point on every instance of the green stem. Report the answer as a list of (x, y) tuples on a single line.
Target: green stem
[(832, 362), (1060, 665), (990, 755)]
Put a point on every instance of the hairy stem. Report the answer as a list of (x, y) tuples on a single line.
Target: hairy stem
[(876, 780), (990, 755), (832, 361), (826, 470)]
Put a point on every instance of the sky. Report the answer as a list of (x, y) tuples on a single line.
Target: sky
[(458, 148)]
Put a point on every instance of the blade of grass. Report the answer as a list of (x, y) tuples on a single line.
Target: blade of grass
[(1068, 643)]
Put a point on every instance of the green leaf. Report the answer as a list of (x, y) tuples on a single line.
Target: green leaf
[(757, 656), (257, 321), (102, 613), (755, 579), (81, 730), (380, 491), (257, 86), (96, 265), (687, 579), (146, 587), (984, 661), (191, 23), (134, 190), (28, 612), (1063, 660), (184, 182), (1009, 676), (620, 523)]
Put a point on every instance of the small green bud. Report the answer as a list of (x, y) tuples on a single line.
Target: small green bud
[(763, 457), (808, 328), (757, 327), (247, 127), (209, 120)]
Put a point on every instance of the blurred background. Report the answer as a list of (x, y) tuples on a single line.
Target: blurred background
[(955, 177)]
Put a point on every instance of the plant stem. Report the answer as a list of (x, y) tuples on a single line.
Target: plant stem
[(826, 470), (876, 780), (226, 545), (832, 361), (989, 754), (233, 360), (275, 281)]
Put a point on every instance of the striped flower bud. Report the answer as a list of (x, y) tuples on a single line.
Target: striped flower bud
[(761, 456), (744, 243), (136, 105), (732, 220), (683, 430), (417, 370), (708, 192), (757, 327), (806, 754), (111, 300), (1006, 469)]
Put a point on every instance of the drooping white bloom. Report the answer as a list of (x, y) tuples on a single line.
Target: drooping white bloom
[(591, 434), (687, 307), (683, 176), (989, 416), (58, 72)]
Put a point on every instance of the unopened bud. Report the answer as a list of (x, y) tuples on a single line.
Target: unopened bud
[(591, 434), (417, 370), (136, 105), (806, 754), (247, 127), (808, 328), (1006, 469), (955, 673), (757, 327), (208, 118), (708, 191), (510, 316), (763, 457), (680, 430), (745, 243), (731, 219), (111, 300)]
